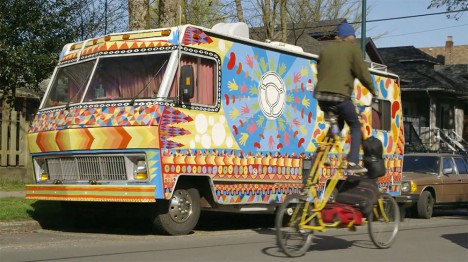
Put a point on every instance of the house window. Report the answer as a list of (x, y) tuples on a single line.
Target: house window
[(205, 89), (381, 115)]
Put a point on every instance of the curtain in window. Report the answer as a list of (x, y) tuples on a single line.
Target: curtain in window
[(128, 77), (204, 92)]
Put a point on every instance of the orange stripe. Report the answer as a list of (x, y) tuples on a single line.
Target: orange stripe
[(90, 188), (87, 196)]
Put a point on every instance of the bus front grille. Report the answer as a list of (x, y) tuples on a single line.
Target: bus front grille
[(86, 168)]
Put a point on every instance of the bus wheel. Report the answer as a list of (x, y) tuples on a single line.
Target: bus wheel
[(180, 214)]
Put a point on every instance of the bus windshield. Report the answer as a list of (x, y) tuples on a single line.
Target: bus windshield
[(115, 78), (69, 84), (127, 77)]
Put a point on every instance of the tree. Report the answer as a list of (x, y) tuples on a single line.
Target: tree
[(99, 17), (302, 13), (239, 11), (32, 34), (296, 17), (451, 5), (284, 24), (165, 13), (138, 14)]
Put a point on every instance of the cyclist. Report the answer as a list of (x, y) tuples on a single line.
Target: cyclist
[(339, 64)]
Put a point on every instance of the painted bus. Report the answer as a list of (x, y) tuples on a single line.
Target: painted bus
[(187, 119)]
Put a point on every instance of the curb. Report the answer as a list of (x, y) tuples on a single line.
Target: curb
[(19, 226)]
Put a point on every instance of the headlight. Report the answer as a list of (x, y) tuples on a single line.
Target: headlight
[(409, 186), (40, 169), (140, 172)]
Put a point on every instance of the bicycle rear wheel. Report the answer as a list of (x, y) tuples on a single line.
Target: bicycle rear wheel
[(292, 240), (383, 226)]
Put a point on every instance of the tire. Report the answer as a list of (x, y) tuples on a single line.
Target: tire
[(425, 205), (292, 240), (383, 229), (180, 214), (402, 210)]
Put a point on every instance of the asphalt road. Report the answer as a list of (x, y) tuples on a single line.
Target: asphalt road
[(222, 237)]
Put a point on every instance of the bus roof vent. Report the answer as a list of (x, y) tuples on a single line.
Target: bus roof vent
[(233, 29), (289, 47)]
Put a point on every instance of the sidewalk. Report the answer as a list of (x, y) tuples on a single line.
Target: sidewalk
[(4, 194)]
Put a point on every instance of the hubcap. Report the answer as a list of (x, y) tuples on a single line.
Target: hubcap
[(180, 207)]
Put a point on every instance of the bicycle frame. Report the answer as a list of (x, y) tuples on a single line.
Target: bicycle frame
[(332, 140), (304, 210)]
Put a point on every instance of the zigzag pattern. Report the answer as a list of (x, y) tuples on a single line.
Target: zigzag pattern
[(196, 36), (96, 117), (116, 46), (172, 116)]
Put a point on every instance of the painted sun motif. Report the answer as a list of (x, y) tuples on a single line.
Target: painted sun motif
[(269, 103)]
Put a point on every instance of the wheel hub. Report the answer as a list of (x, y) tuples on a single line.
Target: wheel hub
[(180, 207)]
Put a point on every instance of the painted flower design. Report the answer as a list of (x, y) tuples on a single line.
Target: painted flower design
[(269, 103)]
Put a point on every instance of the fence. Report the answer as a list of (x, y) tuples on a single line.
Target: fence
[(14, 142)]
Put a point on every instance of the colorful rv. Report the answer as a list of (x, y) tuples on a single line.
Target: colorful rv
[(191, 118)]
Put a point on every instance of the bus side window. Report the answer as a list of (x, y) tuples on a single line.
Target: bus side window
[(381, 115), (204, 81)]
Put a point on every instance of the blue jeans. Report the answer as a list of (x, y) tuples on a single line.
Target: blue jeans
[(347, 113)]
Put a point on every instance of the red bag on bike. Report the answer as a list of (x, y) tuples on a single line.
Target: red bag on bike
[(359, 192), (334, 212)]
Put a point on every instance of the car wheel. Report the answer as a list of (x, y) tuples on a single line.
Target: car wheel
[(425, 205), (180, 214)]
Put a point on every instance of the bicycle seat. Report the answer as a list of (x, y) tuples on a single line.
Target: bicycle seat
[(330, 110), (328, 107)]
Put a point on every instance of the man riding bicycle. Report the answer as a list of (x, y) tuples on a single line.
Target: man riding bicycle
[(339, 64)]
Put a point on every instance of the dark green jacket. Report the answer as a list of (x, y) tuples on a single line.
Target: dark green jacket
[(339, 64)]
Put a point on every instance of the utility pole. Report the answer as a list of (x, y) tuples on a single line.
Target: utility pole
[(363, 29)]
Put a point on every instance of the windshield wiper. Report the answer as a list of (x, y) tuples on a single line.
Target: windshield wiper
[(132, 101)]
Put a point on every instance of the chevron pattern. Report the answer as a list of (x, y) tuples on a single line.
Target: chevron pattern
[(125, 137)]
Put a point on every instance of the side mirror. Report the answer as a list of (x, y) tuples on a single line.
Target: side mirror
[(448, 171), (186, 85)]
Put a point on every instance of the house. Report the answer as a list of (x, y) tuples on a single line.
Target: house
[(449, 54), (434, 95)]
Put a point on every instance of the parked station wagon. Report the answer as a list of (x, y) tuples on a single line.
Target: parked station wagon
[(434, 179)]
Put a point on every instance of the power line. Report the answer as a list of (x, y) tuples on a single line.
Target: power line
[(387, 19), (412, 16), (425, 31)]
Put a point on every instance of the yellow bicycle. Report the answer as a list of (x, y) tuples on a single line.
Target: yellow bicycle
[(302, 214)]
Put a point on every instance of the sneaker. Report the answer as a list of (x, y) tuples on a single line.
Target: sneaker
[(355, 168)]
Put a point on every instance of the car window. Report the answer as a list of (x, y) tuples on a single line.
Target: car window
[(461, 166), (447, 166), (423, 164)]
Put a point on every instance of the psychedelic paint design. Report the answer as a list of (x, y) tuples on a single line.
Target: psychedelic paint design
[(250, 145)]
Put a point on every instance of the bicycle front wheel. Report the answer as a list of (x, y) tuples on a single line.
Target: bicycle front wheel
[(292, 239), (383, 222)]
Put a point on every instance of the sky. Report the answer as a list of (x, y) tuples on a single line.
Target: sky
[(426, 31)]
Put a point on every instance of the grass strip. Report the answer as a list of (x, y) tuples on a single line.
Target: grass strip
[(6, 185), (17, 208)]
